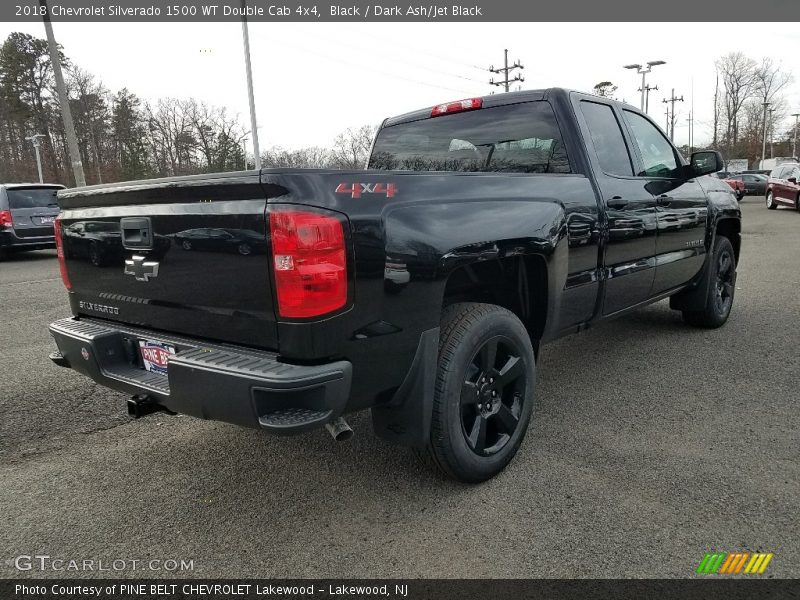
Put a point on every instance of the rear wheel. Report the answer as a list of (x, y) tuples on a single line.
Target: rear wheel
[(771, 201), (484, 392), (721, 289), (797, 203)]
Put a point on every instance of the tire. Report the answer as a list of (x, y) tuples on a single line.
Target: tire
[(244, 249), (483, 349), (771, 201), (797, 203), (186, 244), (719, 301)]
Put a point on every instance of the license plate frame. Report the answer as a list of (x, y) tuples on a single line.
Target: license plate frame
[(155, 355), (47, 220)]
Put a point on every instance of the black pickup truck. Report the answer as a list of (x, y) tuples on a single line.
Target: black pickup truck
[(420, 288)]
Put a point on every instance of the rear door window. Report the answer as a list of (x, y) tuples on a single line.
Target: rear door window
[(516, 138), (609, 143), (31, 197)]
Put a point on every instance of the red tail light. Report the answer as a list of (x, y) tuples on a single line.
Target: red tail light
[(5, 219), (458, 106), (62, 265), (310, 263)]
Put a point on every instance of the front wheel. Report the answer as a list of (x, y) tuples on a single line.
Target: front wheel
[(484, 392), (771, 201), (719, 300)]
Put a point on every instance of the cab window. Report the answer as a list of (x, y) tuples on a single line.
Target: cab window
[(658, 156)]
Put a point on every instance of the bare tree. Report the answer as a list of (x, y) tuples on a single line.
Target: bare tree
[(738, 73), (351, 148)]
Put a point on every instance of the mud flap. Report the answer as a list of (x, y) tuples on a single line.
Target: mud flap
[(406, 420)]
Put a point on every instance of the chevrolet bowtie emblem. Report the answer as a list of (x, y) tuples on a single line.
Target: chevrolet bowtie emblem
[(141, 268)]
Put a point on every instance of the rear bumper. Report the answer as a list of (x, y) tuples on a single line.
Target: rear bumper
[(10, 240), (210, 381)]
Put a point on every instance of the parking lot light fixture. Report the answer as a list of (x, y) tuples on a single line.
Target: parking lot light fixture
[(794, 144), (643, 72)]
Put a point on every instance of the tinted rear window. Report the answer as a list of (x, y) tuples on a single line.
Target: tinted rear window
[(31, 197), (518, 138)]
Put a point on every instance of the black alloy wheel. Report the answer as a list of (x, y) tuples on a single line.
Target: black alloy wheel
[(483, 394), (493, 395)]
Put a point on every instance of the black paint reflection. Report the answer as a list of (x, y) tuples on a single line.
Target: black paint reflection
[(211, 239), (100, 243)]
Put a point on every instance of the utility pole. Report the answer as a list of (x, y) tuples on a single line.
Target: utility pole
[(506, 82), (672, 101), (249, 71), (691, 132), (764, 141), (794, 145), (666, 127), (771, 132), (647, 89), (34, 139), (63, 100), (643, 72)]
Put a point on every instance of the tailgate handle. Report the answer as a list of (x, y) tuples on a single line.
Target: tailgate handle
[(137, 233)]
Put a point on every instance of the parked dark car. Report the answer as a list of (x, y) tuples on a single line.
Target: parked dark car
[(758, 171), (421, 288), (242, 241), (27, 212), (755, 184), (737, 185), (783, 188)]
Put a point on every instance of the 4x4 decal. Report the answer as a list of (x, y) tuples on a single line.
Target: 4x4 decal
[(356, 189)]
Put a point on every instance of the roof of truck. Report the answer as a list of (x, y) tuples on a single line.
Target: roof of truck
[(492, 100)]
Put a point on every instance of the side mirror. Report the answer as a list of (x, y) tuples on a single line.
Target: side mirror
[(705, 162), (792, 180)]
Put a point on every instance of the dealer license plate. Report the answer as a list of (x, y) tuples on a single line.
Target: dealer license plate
[(155, 356)]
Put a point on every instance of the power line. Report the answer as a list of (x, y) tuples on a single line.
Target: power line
[(436, 55), (506, 71), (411, 63), (374, 70)]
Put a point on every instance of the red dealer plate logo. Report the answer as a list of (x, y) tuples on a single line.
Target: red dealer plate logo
[(155, 356)]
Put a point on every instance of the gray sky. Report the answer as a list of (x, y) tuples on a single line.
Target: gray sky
[(314, 80)]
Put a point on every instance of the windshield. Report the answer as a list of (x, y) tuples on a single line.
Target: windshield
[(31, 197), (517, 138)]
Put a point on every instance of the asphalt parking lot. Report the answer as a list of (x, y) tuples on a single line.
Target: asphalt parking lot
[(651, 444)]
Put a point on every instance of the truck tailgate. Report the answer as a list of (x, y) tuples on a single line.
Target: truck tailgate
[(186, 256)]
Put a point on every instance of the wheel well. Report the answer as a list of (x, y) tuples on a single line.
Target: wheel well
[(731, 229), (518, 283)]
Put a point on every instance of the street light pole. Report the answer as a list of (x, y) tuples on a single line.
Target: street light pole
[(794, 145), (34, 139), (764, 141), (249, 71), (63, 100), (643, 72)]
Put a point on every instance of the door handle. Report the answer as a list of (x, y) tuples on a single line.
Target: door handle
[(616, 202), (664, 200)]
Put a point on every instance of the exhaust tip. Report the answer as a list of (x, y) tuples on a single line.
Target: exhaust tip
[(339, 429)]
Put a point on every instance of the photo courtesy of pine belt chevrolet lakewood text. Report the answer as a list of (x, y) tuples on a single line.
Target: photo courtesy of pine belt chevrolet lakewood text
[(420, 288)]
